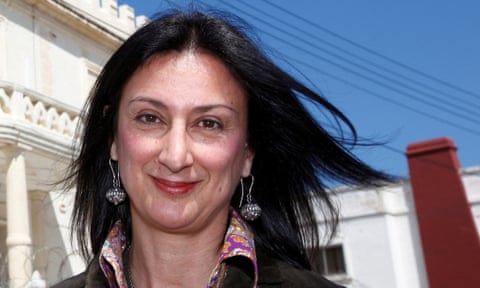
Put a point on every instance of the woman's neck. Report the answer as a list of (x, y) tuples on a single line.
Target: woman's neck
[(160, 259)]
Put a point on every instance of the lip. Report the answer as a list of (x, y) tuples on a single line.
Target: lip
[(174, 187)]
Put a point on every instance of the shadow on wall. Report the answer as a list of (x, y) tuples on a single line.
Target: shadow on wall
[(3, 257), (53, 255)]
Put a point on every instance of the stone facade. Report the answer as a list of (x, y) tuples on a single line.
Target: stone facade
[(51, 52)]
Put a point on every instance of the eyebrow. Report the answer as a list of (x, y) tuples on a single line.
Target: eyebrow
[(198, 109), (154, 102)]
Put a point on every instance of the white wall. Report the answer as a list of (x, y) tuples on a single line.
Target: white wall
[(380, 235), (55, 49), (471, 181), (48, 57)]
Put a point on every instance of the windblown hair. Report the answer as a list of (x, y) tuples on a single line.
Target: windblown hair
[(294, 154)]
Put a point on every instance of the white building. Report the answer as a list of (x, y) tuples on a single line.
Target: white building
[(388, 237), (380, 236), (50, 54)]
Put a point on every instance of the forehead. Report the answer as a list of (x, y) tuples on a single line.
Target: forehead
[(189, 75)]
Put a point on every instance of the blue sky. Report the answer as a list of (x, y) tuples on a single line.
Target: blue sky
[(402, 71)]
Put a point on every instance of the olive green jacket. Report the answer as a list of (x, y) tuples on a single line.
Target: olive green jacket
[(272, 273)]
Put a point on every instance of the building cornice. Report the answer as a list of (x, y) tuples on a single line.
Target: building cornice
[(94, 22)]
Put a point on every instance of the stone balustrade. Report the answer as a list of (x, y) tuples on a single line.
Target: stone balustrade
[(33, 110)]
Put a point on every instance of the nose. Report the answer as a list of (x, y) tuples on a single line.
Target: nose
[(176, 152)]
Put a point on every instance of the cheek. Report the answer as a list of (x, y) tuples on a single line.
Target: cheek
[(225, 158), (133, 148)]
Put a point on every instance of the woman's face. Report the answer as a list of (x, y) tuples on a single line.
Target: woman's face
[(181, 141)]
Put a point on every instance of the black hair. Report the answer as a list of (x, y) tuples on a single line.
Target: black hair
[(294, 154)]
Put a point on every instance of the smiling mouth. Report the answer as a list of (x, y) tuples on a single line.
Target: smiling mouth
[(173, 187)]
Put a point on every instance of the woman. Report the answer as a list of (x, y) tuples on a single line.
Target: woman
[(198, 164)]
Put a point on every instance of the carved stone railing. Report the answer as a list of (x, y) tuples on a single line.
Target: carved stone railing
[(36, 120)]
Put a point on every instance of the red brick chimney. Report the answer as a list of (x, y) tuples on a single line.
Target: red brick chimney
[(450, 240)]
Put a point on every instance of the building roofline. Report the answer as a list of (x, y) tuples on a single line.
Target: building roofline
[(112, 29)]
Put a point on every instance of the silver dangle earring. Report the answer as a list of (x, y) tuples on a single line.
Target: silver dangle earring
[(251, 210), (116, 194)]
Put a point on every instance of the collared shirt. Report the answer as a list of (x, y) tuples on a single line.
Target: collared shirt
[(238, 242)]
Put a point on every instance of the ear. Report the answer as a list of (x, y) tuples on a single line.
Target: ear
[(248, 161), (113, 150)]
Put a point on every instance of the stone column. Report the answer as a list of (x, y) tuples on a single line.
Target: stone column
[(39, 253), (19, 240)]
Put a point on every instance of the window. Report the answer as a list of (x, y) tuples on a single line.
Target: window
[(329, 260)]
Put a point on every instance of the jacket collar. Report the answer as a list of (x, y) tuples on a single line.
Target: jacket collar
[(238, 251)]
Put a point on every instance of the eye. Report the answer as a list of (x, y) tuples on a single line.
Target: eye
[(210, 124), (148, 118)]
